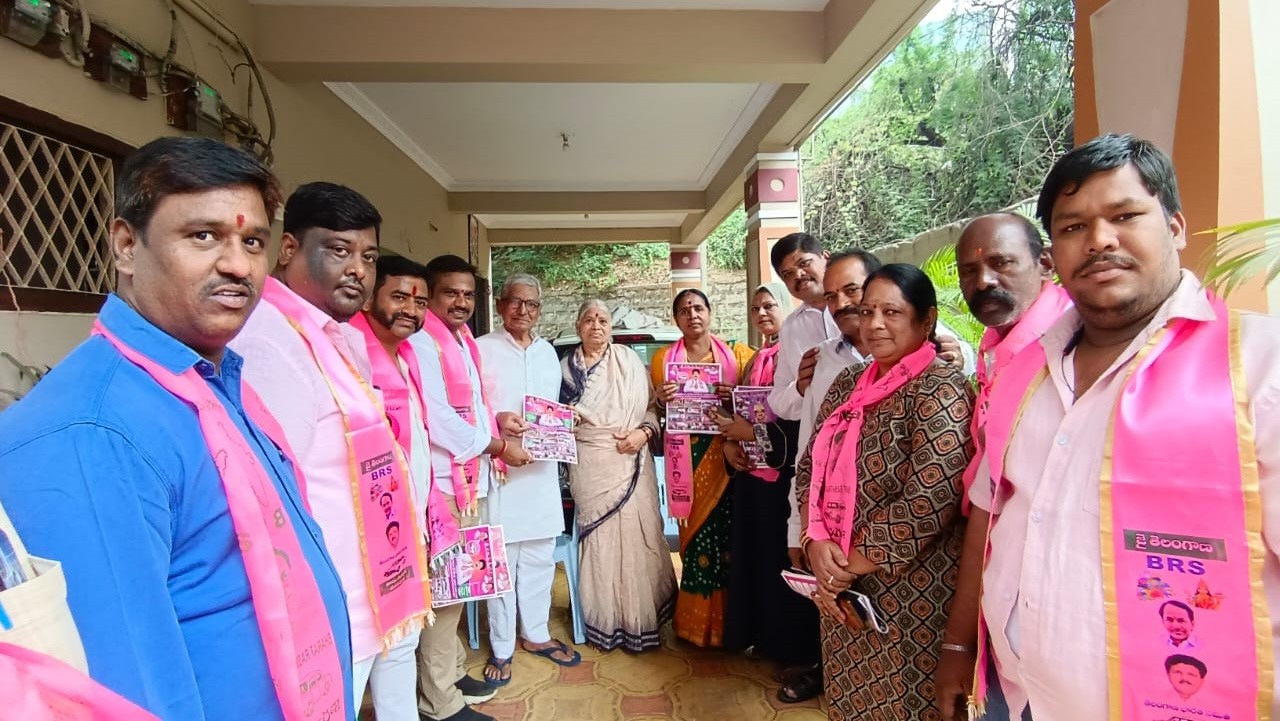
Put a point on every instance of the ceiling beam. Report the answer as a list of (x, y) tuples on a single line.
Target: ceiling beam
[(581, 236), (460, 44), (577, 202)]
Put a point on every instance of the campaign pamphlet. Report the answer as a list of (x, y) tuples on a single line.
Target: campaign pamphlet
[(860, 612), (752, 403), (549, 436), (476, 572), (696, 395)]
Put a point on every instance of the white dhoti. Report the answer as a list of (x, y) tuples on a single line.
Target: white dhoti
[(533, 570)]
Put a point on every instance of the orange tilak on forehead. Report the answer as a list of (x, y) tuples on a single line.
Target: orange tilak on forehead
[(240, 220)]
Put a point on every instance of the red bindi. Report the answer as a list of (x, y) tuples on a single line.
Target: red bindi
[(239, 221), (415, 289)]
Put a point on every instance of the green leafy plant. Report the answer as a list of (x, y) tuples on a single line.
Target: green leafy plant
[(1245, 251), (952, 310)]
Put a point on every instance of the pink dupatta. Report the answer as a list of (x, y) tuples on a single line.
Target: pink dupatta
[(397, 585), (457, 387), (442, 528), (833, 488), (36, 687), (290, 612), (678, 451)]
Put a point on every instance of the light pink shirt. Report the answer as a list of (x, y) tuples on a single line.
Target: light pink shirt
[(1043, 584), (279, 366)]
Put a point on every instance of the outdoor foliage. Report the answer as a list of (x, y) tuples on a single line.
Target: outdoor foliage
[(580, 265), (965, 116), (1245, 251)]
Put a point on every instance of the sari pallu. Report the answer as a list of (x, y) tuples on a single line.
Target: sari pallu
[(627, 581), (704, 537)]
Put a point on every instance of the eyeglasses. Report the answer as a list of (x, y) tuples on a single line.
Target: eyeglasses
[(533, 305)]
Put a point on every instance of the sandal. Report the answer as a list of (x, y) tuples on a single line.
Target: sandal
[(499, 667), (548, 652), (802, 687)]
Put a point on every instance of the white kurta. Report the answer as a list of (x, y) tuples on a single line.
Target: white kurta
[(527, 506), (452, 437)]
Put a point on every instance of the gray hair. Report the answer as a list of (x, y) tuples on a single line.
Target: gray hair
[(519, 279), (588, 305)]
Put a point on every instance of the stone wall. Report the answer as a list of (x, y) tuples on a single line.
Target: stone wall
[(727, 290)]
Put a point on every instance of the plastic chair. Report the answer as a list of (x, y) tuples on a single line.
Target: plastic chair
[(566, 553)]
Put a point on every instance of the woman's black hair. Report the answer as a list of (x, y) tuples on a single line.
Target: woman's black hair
[(675, 302), (916, 288)]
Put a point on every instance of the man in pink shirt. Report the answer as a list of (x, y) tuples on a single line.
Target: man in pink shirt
[(324, 275), (1062, 490), (1006, 278)]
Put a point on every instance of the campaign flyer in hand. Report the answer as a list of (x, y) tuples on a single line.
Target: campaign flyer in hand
[(696, 395), (550, 433), (476, 572), (752, 403)]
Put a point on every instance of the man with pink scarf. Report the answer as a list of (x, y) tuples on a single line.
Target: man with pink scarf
[(468, 455), (1132, 457), (313, 372)]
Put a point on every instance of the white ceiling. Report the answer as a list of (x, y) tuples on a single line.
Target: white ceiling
[(506, 136), (582, 220), (787, 5)]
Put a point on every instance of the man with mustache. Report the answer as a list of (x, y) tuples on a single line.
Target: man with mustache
[(197, 578), (519, 362), (468, 456), (1143, 423), (312, 369), (1006, 277)]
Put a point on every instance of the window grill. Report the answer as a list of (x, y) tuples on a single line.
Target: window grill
[(55, 214)]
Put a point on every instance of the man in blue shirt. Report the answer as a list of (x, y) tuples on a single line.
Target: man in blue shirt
[(105, 470)]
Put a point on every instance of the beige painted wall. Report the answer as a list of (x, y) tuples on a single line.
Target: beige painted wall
[(318, 138)]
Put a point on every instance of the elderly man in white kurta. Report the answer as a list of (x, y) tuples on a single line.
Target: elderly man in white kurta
[(518, 363)]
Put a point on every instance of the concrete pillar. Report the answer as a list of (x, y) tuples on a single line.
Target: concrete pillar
[(771, 196), (686, 269), (1199, 78)]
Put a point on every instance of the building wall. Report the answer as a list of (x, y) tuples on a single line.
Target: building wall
[(318, 138)]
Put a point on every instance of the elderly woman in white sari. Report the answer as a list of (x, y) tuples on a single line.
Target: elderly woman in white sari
[(627, 582)]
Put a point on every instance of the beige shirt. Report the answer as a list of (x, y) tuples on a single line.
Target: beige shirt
[(1043, 584)]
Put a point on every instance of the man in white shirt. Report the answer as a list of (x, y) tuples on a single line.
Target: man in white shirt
[(444, 688), (800, 261), (527, 506)]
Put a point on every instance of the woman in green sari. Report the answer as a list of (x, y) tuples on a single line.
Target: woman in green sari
[(696, 462)]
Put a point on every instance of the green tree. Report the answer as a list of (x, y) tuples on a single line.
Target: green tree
[(965, 116)]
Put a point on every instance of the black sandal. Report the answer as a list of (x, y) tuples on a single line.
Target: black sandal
[(802, 687)]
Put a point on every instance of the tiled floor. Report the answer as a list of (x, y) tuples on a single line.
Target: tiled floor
[(676, 681)]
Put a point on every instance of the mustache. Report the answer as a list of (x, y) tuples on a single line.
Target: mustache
[(851, 310), (405, 316), (1117, 260), (221, 284), (998, 295)]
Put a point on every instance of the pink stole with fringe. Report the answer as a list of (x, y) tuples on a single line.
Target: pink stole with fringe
[(36, 687)]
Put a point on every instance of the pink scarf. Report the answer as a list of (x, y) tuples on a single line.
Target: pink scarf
[(1180, 516), (678, 451), (442, 528), (396, 579), (290, 612), (835, 448), (762, 369), (1052, 302), (36, 687), (457, 387)]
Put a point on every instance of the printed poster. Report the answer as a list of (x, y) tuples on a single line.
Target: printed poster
[(478, 571), (550, 433), (752, 403), (689, 411)]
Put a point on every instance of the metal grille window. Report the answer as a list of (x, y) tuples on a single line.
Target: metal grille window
[(55, 214)]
